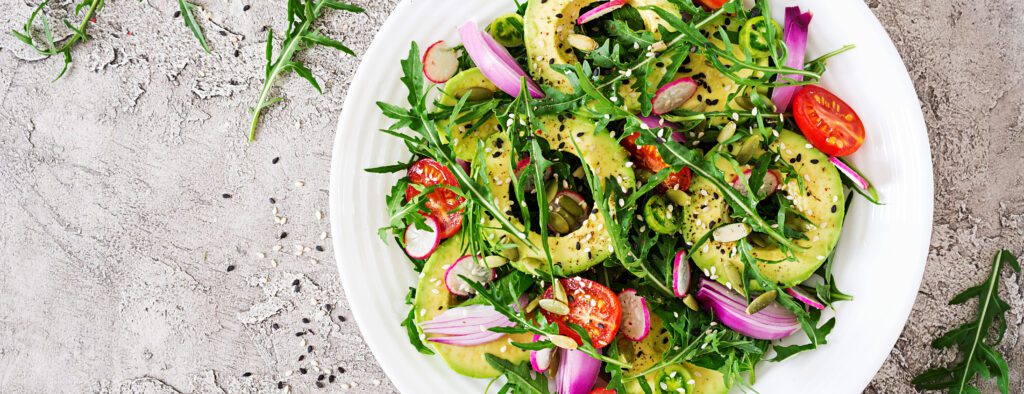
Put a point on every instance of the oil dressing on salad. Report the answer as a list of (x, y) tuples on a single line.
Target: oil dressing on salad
[(628, 196)]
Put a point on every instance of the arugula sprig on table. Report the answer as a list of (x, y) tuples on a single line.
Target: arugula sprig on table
[(185, 8), (51, 47), (299, 35), (977, 339)]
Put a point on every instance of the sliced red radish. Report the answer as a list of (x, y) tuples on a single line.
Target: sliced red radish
[(681, 273), (636, 317), (528, 185), (771, 182), (849, 172), (468, 267), (540, 360), (805, 297), (419, 243), (673, 95), (464, 164), (600, 11), (440, 62)]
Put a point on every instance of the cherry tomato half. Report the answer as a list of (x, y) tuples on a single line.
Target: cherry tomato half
[(592, 306), (441, 202), (829, 124), (713, 4), (648, 157)]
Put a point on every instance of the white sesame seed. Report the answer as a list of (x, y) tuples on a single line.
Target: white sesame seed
[(300, 183), (323, 235), (319, 215), (261, 255), (273, 263)]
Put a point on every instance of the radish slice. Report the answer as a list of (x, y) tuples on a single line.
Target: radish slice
[(731, 232), (681, 273), (850, 173), (673, 95), (636, 317), (466, 266), (440, 63), (495, 62), (420, 244), (464, 164), (540, 360), (769, 185), (805, 297), (600, 11)]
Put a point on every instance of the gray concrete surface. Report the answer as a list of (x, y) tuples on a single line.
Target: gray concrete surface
[(115, 238)]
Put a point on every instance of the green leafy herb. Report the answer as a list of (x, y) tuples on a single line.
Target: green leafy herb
[(974, 339), (299, 35), (190, 22), (51, 47), (519, 376)]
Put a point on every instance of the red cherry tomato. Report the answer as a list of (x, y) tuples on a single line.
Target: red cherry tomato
[(648, 157), (829, 124), (592, 306), (713, 4), (602, 391), (441, 202)]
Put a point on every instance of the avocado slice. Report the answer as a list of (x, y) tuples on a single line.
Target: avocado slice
[(547, 25), (472, 82), (822, 203), (645, 354), (588, 245), (432, 298)]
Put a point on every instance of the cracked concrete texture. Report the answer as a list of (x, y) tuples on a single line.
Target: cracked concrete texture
[(116, 237)]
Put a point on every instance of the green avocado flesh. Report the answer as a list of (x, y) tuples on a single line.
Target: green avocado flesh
[(432, 298), (645, 354), (466, 135), (822, 203), (588, 245), (547, 24)]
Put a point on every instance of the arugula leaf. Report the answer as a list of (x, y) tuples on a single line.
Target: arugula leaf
[(974, 338), (411, 330), (190, 22), (51, 48), (520, 376), (298, 36)]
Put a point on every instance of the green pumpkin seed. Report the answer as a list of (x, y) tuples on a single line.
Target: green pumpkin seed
[(727, 132), (691, 302), (532, 305), (559, 292), (554, 306), (495, 261), (558, 224), (570, 206), (581, 42), (733, 276), (762, 301)]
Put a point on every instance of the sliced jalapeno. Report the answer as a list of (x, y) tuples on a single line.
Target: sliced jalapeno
[(507, 30), (661, 215), (675, 379), (754, 36)]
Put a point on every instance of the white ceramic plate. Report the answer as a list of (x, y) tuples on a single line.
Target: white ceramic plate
[(881, 255)]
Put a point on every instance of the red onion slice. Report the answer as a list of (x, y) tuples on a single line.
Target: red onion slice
[(729, 308), (850, 173), (577, 372), (795, 36), (495, 62), (600, 11), (805, 297)]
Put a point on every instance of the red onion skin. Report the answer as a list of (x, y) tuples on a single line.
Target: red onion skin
[(577, 372), (795, 36), (807, 299), (495, 61)]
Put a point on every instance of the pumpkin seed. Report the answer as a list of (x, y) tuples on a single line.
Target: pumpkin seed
[(571, 206), (495, 261), (731, 232), (581, 42), (532, 305), (531, 265), (559, 292), (563, 341), (727, 132), (554, 306), (691, 302), (558, 224), (762, 301), (733, 276)]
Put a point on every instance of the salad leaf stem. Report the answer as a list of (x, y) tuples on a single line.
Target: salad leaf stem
[(51, 48), (190, 21)]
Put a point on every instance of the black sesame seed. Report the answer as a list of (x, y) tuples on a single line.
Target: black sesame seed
[(231, 268), (223, 33), (280, 385), (226, 195), (177, 14), (247, 374), (284, 234), (309, 349), (331, 378), (496, 154), (305, 320), (302, 357), (319, 248), (275, 160), (237, 53), (834, 209), (246, 7), (328, 306), (341, 318), (296, 289), (275, 326), (319, 385), (295, 282), (814, 161), (303, 371), (273, 200), (311, 332), (300, 333), (321, 377), (341, 369)]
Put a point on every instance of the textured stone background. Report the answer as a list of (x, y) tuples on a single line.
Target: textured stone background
[(115, 238)]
